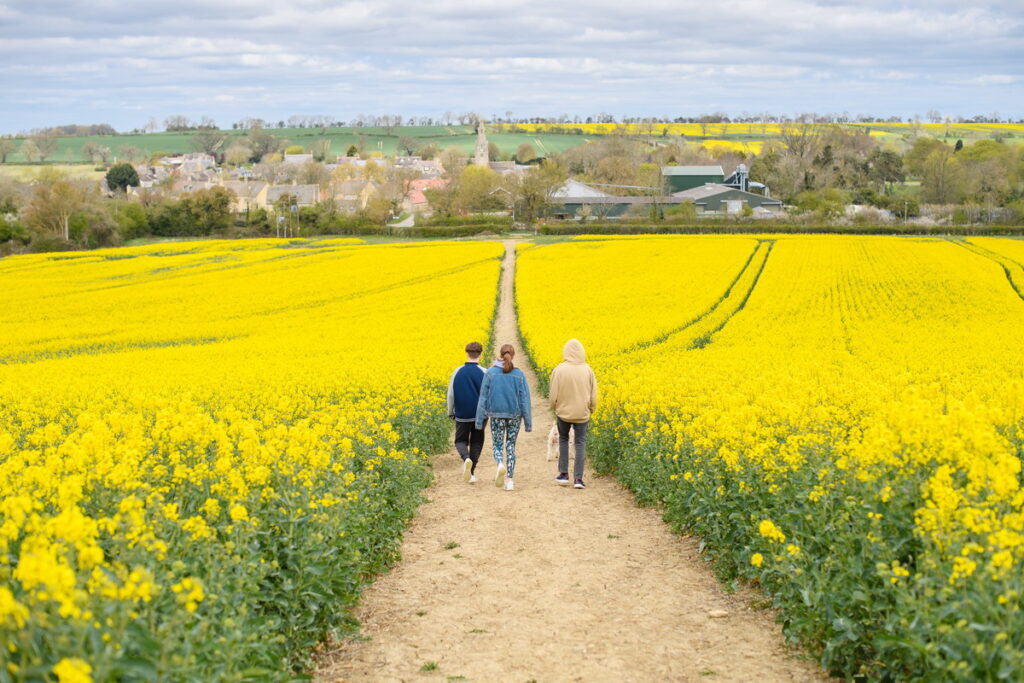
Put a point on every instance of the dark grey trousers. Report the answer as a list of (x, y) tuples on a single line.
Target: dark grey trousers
[(580, 433)]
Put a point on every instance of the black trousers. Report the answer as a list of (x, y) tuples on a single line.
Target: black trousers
[(469, 441)]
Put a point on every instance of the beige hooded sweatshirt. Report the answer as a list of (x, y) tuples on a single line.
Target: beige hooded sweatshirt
[(573, 391)]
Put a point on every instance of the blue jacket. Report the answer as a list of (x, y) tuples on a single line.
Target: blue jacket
[(504, 394), (464, 392)]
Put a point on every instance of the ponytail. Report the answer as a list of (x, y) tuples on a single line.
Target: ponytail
[(507, 354)]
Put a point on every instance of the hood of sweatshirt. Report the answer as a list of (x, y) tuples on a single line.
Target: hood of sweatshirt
[(573, 352)]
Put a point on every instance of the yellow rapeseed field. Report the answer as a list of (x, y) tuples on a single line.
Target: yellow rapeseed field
[(206, 448), (839, 418)]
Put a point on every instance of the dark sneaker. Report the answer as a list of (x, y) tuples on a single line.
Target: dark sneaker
[(562, 478), (578, 484)]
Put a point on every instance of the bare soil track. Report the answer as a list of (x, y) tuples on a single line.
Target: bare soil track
[(551, 584)]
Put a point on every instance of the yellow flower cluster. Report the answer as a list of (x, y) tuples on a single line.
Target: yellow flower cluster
[(852, 394), (179, 421)]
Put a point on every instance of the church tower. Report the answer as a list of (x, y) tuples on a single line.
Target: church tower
[(482, 156)]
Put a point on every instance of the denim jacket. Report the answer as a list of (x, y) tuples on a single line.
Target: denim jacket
[(504, 394)]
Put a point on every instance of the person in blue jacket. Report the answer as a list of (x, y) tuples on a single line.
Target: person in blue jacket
[(463, 397), (505, 399)]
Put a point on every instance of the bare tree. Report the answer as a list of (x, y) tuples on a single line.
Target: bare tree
[(91, 150), (29, 150), (129, 152), (320, 149), (238, 153), (6, 147), (51, 207), (177, 122), (389, 122), (208, 140), (46, 143)]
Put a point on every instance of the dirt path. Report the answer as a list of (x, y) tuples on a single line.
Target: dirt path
[(551, 584)]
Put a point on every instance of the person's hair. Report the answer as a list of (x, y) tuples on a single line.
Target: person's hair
[(474, 349), (507, 354)]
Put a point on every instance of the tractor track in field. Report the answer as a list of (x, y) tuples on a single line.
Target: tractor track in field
[(1005, 262), (547, 583), (755, 263)]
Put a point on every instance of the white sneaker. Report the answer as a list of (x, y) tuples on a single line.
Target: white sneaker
[(509, 485), (499, 475), (472, 479), (467, 469)]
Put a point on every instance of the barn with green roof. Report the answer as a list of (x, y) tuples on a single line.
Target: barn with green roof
[(680, 178)]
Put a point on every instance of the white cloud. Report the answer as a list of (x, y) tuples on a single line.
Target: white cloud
[(676, 57)]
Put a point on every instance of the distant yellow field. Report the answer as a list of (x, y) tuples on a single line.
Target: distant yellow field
[(760, 130), (27, 172)]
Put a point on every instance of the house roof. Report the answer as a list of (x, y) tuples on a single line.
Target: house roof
[(350, 187), (245, 188), (428, 184), (574, 188), (708, 190), (692, 170), (305, 194), (297, 158), (612, 199), (417, 197)]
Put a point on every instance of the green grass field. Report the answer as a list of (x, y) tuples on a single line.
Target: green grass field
[(376, 140)]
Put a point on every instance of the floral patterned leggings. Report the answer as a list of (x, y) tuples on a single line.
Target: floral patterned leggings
[(504, 431)]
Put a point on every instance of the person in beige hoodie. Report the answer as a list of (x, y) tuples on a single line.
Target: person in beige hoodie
[(573, 397)]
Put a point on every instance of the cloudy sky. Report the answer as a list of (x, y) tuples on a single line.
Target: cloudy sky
[(70, 61)]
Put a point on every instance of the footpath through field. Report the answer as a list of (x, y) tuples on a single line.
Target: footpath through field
[(551, 584)]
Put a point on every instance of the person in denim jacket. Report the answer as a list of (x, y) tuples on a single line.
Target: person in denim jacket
[(505, 400)]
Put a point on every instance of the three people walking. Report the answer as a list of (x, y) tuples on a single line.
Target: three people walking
[(502, 396), (505, 399)]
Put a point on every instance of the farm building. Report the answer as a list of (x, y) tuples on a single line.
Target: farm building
[(577, 200), (719, 198), (679, 178)]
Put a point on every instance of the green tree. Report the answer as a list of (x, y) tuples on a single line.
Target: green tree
[(131, 219), (261, 143), (525, 152), (209, 210), (915, 157), (532, 193), (378, 210), (942, 177), (429, 151), (475, 190), (122, 176), (352, 151), (885, 167)]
